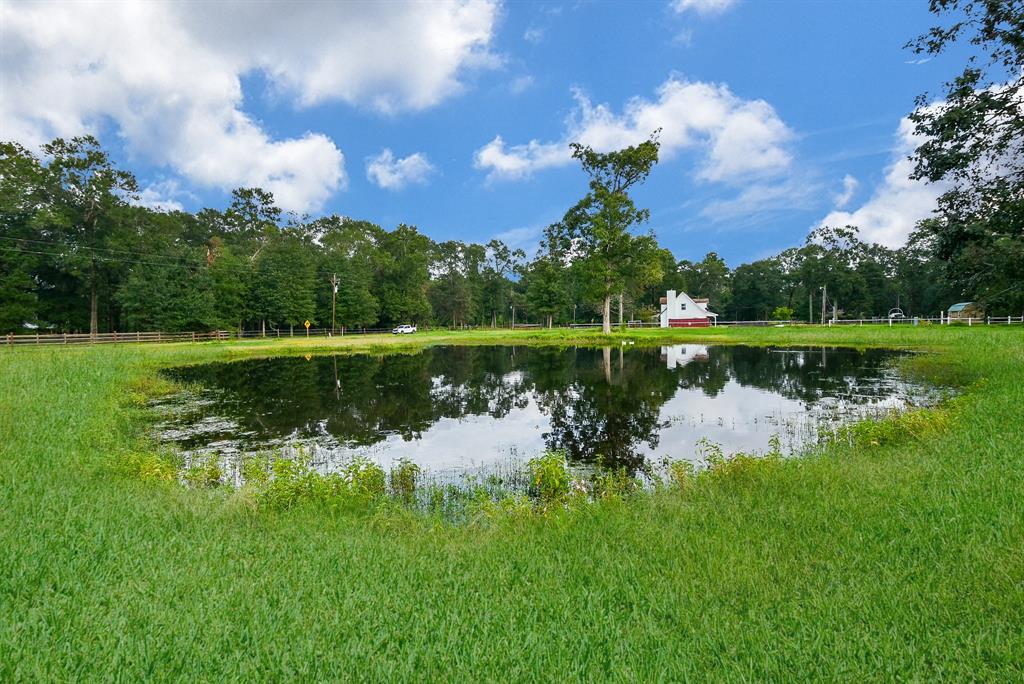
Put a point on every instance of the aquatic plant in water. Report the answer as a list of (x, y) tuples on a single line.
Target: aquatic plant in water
[(275, 480), (403, 478), (549, 477)]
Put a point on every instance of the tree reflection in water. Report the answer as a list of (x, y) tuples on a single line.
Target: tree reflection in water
[(595, 404)]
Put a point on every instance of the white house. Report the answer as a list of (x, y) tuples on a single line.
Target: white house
[(682, 311)]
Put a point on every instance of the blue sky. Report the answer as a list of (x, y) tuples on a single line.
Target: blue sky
[(776, 116)]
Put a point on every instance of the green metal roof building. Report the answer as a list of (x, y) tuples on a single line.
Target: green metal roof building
[(965, 310)]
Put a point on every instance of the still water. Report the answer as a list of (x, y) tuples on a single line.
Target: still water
[(464, 409)]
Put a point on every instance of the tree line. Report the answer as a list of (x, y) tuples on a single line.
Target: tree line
[(77, 251), (79, 255)]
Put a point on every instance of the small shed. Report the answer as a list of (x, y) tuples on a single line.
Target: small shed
[(964, 310), (682, 311)]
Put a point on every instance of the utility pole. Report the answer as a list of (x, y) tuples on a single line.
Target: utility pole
[(810, 307), (834, 308), (334, 302), (824, 298)]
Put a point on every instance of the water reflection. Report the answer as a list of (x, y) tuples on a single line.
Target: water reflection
[(460, 407)]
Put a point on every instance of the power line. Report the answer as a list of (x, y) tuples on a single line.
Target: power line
[(96, 257), (187, 265), (240, 268), (58, 243)]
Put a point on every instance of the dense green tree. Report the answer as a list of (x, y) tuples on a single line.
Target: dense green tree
[(973, 140), (596, 231), (169, 296), (403, 275), (251, 218), (757, 290), (502, 263), (451, 293), (21, 192), (284, 281), (349, 258), (230, 280), (87, 193), (76, 254), (545, 287), (921, 286), (671, 279), (708, 278)]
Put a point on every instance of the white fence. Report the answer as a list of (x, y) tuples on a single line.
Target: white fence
[(11, 340), (941, 320)]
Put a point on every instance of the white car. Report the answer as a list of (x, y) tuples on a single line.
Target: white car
[(404, 330)]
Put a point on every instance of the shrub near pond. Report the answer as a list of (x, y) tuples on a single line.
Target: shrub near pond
[(147, 466), (275, 481), (897, 427), (680, 474), (403, 478), (203, 472), (549, 477), (279, 482), (614, 484), (364, 478)]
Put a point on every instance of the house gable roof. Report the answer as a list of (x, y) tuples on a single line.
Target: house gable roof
[(701, 304)]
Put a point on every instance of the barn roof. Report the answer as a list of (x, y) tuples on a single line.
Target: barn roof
[(960, 307)]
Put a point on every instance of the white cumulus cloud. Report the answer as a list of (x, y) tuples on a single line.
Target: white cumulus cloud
[(533, 35), (759, 199), (705, 7), (394, 174), (741, 139), (898, 203), (520, 84), (167, 78), (163, 195), (850, 185)]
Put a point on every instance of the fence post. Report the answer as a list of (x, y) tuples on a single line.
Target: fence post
[(115, 337), (193, 337), (158, 336), (65, 338), (37, 338), (969, 319), (10, 339)]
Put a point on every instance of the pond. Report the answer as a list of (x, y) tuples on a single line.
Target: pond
[(460, 409)]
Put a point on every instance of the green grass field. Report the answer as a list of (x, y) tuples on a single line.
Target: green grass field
[(897, 561)]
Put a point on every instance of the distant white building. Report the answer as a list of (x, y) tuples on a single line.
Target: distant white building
[(681, 311)]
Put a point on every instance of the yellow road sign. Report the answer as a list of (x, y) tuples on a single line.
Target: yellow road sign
[(307, 325)]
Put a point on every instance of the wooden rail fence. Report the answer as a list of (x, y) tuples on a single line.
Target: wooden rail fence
[(115, 337)]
